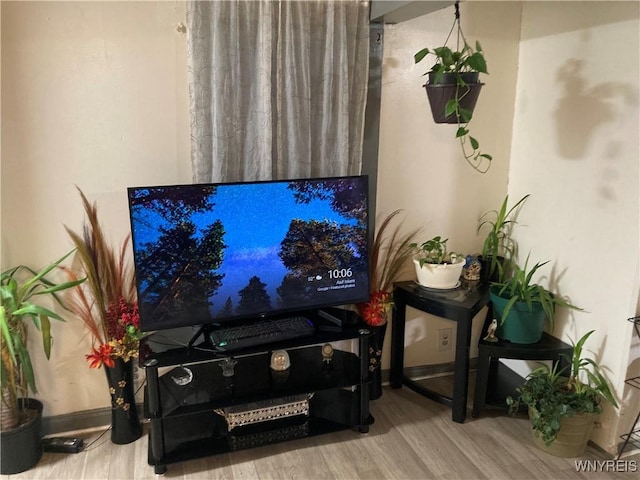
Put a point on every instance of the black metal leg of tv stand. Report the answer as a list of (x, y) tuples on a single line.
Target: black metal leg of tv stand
[(364, 381), (156, 432)]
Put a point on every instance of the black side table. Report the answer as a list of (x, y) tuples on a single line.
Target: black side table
[(548, 348), (459, 305)]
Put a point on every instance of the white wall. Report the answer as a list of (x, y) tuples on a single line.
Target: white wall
[(421, 168), (576, 150), (94, 94)]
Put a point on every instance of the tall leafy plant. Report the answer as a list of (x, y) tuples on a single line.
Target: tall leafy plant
[(20, 290), (498, 241)]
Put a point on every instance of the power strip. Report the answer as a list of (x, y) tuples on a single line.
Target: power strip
[(62, 444)]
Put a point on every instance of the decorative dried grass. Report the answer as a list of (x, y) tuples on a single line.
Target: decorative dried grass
[(109, 276), (390, 253)]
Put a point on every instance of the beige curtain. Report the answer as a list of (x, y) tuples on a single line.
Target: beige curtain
[(277, 88)]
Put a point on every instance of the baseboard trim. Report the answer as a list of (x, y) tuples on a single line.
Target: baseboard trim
[(427, 371), (78, 421)]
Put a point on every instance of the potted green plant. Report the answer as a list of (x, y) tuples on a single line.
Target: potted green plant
[(522, 306), (562, 409), (20, 422), (435, 266), (498, 247), (453, 88)]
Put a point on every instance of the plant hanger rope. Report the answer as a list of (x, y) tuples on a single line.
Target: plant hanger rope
[(456, 22), (475, 158)]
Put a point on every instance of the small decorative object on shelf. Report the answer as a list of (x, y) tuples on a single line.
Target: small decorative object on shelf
[(491, 331), (280, 361), (265, 411), (471, 269), (327, 353), (185, 378), (228, 365)]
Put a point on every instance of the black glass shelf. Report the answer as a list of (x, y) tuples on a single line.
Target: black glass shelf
[(255, 381)]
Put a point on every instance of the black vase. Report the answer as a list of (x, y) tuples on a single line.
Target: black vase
[(125, 425), (376, 341), (489, 271)]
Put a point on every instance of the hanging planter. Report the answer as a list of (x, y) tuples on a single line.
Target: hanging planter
[(453, 89), (447, 90)]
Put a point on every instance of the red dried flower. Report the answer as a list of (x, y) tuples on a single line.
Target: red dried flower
[(122, 325), (374, 312), (101, 355)]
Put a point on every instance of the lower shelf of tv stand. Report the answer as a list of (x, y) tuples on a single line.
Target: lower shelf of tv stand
[(188, 437)]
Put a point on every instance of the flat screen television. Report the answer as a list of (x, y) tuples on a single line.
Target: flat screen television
[(213, 254)]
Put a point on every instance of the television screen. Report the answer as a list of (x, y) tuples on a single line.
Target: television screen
[(216, 253)]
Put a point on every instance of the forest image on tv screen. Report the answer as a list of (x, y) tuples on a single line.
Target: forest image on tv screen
[(213, 253)]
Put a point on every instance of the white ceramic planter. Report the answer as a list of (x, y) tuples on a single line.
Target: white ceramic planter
[(441, 276)]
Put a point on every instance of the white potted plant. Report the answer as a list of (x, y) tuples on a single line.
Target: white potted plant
[(435, 266)]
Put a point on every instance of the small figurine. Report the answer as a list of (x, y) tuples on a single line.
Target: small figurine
[(183, 379), (491, 332), (327, 353), (280, 361), (227, 365), (471, 268)]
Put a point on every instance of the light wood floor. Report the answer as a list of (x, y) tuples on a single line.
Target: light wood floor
[(412, 438)]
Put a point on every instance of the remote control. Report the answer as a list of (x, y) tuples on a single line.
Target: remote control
[(62, 444)]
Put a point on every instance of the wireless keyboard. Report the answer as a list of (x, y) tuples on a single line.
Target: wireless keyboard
[(261, 332)]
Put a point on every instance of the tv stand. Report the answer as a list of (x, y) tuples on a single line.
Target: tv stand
[(197, 409)]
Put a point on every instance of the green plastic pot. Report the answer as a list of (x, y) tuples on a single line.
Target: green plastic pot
[(523, 324)]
